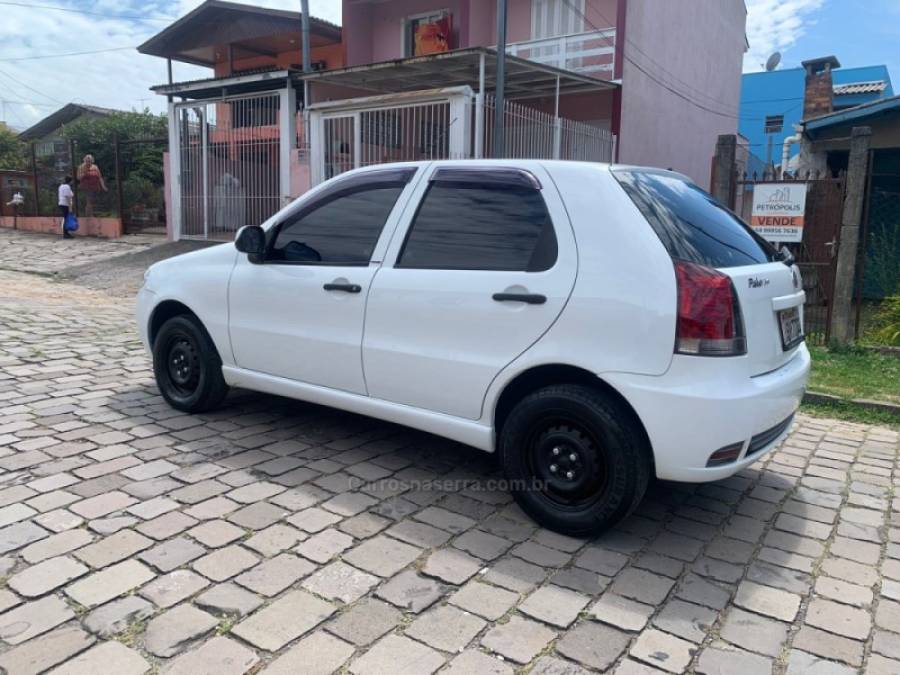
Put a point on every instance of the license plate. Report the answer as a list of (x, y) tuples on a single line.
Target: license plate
[(791, 327)]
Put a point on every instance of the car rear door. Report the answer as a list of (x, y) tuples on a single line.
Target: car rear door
[(474, 276)]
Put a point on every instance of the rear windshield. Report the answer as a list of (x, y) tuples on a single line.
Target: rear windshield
[(691, 224)]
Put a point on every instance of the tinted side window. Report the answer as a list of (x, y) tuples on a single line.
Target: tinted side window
[(467, 226), (691, 224), (340, 231)]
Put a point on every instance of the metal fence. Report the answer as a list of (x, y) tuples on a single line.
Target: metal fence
[(534, 134)]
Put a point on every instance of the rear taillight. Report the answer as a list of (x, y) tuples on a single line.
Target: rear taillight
[(709, 319)]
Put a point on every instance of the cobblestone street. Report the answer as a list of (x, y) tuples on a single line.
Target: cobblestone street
[(279, 537)]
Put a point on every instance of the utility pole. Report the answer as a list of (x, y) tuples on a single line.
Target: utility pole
[(500, 94), (304, 19)]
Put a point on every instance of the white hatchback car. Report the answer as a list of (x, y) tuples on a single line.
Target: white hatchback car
[(595, 325)]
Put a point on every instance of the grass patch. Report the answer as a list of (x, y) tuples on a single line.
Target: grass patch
[(855, 373), (851, 412)]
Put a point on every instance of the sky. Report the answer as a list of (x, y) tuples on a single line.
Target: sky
[(37, 78)]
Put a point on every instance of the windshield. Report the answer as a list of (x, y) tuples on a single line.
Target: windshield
[(691, 224)]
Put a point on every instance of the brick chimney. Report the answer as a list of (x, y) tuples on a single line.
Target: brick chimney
[(817, 96)]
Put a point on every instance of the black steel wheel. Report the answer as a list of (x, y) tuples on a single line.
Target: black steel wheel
[(576, 459), (187, 366)]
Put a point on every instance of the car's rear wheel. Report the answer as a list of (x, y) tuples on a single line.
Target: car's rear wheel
[(187, 366), (575, 459)]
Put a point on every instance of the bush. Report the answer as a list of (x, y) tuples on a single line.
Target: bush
[(887, 322)]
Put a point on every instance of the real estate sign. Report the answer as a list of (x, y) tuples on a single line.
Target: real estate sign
[(778, 211)]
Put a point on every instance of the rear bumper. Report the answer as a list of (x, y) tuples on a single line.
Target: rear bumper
[(703, 404)]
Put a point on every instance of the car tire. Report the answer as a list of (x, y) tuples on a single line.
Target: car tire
[(187, 366), (576, 459)]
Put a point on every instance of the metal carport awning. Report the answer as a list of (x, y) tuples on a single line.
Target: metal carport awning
[(474, 66)]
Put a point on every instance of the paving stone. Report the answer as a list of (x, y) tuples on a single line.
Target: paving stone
[(103, 504), (554, 605), (451, 565), (446, 628), (720, 661), (621, 612), (172, 554), (593, 645), (602, 561), (702, 592), (365, 622), (879, 665), (550, 665), (153, 508), (581, 580), (116, 616), (841, 591), (482, 544), (274, 540), (474, 661), (111, 525), (325, 545), (229, 600), (768, 601), (218, 656), (225, 563), (886, 644), (113, 548), (779, 577), (518, 640), (19, 535), (837, 618), (173, 631), (55, 545), (419, 534), (317, 654), (688, 621), (216, 533), (272, 576), (42, 578), (801, 663), (382, 556), (393, 654), (286, 619), (172, 588), (829, 645), (32, 619), (540, 555), (107, 657), (339, 581), (486, 601), (753, 632), (410, 592), (364, 525), (663, 651), (8, 600), (37, 656), (642, 586), (109, 583), (166, 525), (515, 574)]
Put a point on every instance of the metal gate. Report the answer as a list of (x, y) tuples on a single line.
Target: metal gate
[(227, 164), (360, 132), (816, 255)]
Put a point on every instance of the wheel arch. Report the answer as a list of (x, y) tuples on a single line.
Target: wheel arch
[(538, 377), (165, 311)]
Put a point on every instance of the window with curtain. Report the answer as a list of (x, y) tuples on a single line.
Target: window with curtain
[(550, 18)]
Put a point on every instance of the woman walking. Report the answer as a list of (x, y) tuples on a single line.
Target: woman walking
[(66, 196)]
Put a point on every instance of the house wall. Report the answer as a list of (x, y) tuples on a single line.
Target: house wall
[(372, 31), (700, 44), (333, 56), (106, 228), (780, 92)]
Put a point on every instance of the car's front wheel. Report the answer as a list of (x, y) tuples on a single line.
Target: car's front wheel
[(575, 459), (187, 366)]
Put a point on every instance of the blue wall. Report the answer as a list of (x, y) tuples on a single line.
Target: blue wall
[(780, 92)]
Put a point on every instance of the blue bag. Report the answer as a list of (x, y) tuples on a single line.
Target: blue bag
[(71, 223)]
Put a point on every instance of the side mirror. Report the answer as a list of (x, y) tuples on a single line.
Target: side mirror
[(251, 239)]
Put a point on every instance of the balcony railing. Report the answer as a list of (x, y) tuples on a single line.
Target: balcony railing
[(591, 53)]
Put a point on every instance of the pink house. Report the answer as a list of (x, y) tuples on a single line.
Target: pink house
[(633, 81)]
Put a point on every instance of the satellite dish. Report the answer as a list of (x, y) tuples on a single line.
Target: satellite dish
[(773, 61)]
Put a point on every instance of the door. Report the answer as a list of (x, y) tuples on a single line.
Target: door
[(485, 267), (299, 314)]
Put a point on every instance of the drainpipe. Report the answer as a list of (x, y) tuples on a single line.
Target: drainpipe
[(786, 151)]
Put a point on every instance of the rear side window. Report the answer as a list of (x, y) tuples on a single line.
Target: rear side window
[(462, 225), (691, 224)]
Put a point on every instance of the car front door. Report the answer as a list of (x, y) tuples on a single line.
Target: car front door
[(299, 314), (486, 265)]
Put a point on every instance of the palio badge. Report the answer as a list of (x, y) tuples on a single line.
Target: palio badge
[(778, 210)]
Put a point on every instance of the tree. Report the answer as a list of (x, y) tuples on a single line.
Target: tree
[(12, 150)]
